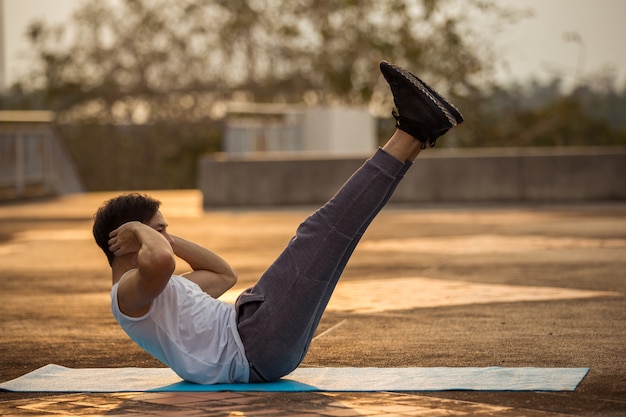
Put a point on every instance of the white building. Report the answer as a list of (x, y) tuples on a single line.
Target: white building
[(271, 128)]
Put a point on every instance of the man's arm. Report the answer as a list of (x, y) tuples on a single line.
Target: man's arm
[(155, 265), (210, 271)]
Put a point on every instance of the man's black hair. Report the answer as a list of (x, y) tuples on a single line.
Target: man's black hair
[(119, 210)]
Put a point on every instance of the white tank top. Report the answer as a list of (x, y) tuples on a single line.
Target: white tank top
[(189, 331)]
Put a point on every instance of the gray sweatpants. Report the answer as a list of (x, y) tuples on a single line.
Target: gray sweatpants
[(278, 316)]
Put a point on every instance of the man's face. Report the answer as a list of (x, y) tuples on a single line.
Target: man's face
[(157, 222)]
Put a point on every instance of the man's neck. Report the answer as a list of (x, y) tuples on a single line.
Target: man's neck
[(120, 267)]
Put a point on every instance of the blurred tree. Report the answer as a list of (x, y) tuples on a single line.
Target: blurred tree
[(139, 85), (138, 61), (564, 123), (542, 115), (124, 75)]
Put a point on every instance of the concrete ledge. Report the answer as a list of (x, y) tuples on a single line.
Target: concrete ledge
[(439, 176)]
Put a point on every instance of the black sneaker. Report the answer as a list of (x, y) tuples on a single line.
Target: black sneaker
[(422, 112)]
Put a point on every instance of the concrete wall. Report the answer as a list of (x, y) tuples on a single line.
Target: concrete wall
[(518, 175)]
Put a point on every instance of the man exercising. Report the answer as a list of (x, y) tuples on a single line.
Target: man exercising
[(267, 332)]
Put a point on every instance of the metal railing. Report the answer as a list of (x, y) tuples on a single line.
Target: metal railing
[(33, 162)]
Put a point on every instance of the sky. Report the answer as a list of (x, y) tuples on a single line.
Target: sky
[(534, 48)]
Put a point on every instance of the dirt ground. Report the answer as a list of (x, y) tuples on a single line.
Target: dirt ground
[(54, 284)]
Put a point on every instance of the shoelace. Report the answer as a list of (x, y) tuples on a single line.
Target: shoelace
[(403, 123)]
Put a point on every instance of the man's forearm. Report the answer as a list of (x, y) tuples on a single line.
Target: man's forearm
[(210, 271), (199, 257)]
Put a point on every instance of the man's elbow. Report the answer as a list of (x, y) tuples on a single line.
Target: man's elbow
[(169, 264), (160, 265), (233, 277), (165, 261)]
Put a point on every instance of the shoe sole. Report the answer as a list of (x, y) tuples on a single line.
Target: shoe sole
[(448, 109)]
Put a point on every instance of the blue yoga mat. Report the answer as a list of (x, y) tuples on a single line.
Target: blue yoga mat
[(55, 378)]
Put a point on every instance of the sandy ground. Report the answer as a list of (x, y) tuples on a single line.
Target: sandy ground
[(452, 286)]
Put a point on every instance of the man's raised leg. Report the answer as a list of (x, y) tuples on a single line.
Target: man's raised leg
[(278, 316)]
